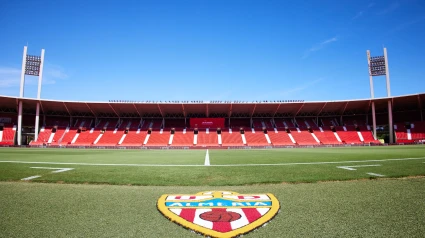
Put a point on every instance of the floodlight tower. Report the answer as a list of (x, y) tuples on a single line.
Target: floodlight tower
[(378, 66), (31, 65)]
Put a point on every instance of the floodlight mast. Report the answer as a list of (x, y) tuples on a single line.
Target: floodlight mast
[(31, 65), (37, 111), (379, 66), (390, 111), (21, 95), (372, 96)]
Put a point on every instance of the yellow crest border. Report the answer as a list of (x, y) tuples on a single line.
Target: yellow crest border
[(205, 231)]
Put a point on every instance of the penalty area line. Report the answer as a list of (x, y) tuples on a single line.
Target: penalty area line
[(32, 177), (216, 165), (377, 175), (352, 167), (57, 170)]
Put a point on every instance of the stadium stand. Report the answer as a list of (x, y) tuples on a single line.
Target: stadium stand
[(418, 130), (158, 138), (59, 134), (354, 120), (259, 124), (238, 123), (87, 137), (207, 139), (146, 124), (410, 132), (110, 137), (43, 136), (59, 122), (326, 136), (407, 117), (349, 137), (366, 134), (348, 134), (156, 124), (52, 131), (255, 137), (401, 132), (304, 123), (279, 138), (85, 123), (81, 123), (67, 137), (368, 137), (256, 123), (279, 123), (329, 122), (183, 138), (175, 123), (232, 138), (111, 132), (289, 123), (7, 132), (269, 123), (134, 138), (303, 137)]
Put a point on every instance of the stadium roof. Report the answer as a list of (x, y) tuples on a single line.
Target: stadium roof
[(176, 109)]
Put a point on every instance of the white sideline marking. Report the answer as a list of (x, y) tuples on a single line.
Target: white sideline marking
[(57, 170), (32, 177), (207, 159), (217, 165), (357, 166), (377, 175)]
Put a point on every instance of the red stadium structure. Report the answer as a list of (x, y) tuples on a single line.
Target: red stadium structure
[(215, 124)]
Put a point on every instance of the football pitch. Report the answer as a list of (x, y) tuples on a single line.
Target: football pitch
[(383, 195), (212, 168)]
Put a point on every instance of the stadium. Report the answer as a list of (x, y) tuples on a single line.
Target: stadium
[(216, 124), (337, 164), (205, 146)]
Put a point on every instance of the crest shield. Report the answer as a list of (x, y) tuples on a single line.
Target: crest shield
[(219, 213)]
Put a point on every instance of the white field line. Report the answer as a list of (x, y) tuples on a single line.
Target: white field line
[(217, 165), (207, 159), (32, 177), (57, 170), (357, 166), (377, 175)]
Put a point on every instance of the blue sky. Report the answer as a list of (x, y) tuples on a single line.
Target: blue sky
[(212, 50)]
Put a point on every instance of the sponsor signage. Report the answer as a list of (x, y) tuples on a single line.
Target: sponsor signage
[(206, 122), (219, 213)]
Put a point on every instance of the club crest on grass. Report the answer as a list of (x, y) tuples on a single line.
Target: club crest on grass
[(219, 213)]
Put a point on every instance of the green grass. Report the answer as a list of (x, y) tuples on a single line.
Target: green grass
[(104, 156), (367, 208), (280, 165), (362, 208), (314, 154)]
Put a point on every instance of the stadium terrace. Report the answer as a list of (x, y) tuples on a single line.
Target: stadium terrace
[(210, 124)]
